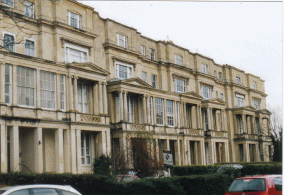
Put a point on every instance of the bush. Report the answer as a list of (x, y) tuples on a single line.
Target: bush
[(102, 165), (261, 169), (194, 170)]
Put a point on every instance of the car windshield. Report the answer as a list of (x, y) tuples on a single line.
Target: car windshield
[(248, 185)]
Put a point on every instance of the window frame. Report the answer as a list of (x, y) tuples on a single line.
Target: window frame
[(54, 91), (14, 36), (9, 84), (124, 40), (222, 96), (130, 109), (238, 80), (129, 70), (78, 22), (240, 99), (144, 76), (178, 59), (220, 76), (256, 106), (203, 87), (13, 3), (62, 102), (152, 54), (143, 50), (254, 85), (84, 104), (177, 86), (34, 51), (154, 81), (77, 48), (159, 103), (84, 148), (204, 68), (170, 112), (30, 7)]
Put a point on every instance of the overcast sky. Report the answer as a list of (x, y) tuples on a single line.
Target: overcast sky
[(247, 35)]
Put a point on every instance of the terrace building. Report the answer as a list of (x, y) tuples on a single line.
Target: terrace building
[(74, 86)]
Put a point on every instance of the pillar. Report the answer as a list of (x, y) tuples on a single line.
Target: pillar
[(125, 106), (108, 143), (168, 144), (57, 104), (38, 150), (59, 158), (223, 120), (100, 98), (78, 142), (14, 141), (253, 131), (246, 152), (193, 118), (227, 157), (69, 94), (211, 151), (95, 99), (179, 153), (154, 111), (37, 88), (244, 123), (185, 152), (189, 153), (145, 109), (209, 118), (181, 116), (120, 106), (202, 152), (4, 156), (105, 98), (199, 117), (196, 152), (157, 150), (72, 146), (184, 115), (148, 110), (2, 82), (14, 86), (75, 92)]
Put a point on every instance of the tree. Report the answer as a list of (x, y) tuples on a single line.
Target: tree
[(276, 127)]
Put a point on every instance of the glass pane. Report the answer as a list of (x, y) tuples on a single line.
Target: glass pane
[(44, 191), (20, 192)]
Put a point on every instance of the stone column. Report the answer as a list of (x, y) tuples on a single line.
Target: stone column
[(14, 86), (57, 106), (157, 150), (216, 128), (194, 120), (148, 109), (168, 144), (253, 131), (223, 120), (120, 106), (196, 152), (100, 98), (236, 124), (105, 98), (95, 99), (244, 123), (181, 117), (108, 144), (199, 117), (125, 106), (14, 150), (59, 158), (2, 82), (75, 92), (227, 156), (4, 153), (179, 153), (185, 152), (209, 119), (103, 140), (154, 111), (69, 94), (38, 150), (257, 152), (202, 152), (175, 113), (189, 153), (73, 150), (184, 115), (145, 109), (246, 152), (78, 142), (211, 151)]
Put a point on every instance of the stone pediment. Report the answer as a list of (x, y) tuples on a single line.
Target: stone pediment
[(250, 108), (133, 81), (264, 111), (214, 101), (192, 94), (88, 66)]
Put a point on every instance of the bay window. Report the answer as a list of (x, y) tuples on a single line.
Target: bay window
[(159, 109), (47, 89), (8, 83), (130, 109), (170, 112), (62, 92), (26, 84), (83, 97)]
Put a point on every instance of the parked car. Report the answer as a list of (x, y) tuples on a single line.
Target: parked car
[(39, 189), (225, 167), (126, 178), (256, 185)]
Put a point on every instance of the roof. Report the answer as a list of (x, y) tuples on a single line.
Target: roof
[(260, 176)]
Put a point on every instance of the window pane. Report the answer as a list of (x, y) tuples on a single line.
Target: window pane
[(44, 191), (20, 192)]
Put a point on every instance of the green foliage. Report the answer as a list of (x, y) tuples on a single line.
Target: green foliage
[(194, 170), (102, 165), (260, 169)]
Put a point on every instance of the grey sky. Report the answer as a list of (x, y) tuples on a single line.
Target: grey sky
[(247, 35)]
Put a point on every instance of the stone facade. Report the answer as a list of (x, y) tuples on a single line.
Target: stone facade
[(74, 86)]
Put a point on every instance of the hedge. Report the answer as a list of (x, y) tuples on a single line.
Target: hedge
[(100, 185), (248, 169)]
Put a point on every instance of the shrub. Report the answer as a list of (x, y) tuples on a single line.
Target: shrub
[(261, 169), (194, 170), (102, 165)]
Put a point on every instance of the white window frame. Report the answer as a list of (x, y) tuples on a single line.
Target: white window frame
[(12, 1), (254, 85), (62, 92), (8, 84), (78, 48), (180, 84), (152, 54), (34, 51), (154, 81), (159, 110), (177, 111), (29, 9), (170, 113), (11, 34), (206, 90), (130, 109), (238, 80), (240, 124), (178, 59), (206, 120), (78, 18), (117, 108), (22, 86), (220, 76), (151, 110), (215, 73), (47, 88), (85, 150), (144, 76), (240, 99), (122, 40), (129, 70), (143, 50), (84, 100), (256, 104), (204, 68)]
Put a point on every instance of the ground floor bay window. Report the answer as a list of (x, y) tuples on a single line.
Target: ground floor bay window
[(83, 97)]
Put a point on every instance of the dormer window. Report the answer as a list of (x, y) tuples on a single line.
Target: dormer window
[(178, 59), (122, 40), (74, 20), (204, 68), (123, 71)]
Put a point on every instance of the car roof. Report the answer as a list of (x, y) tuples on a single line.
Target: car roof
[(20, 187), (260, 176)]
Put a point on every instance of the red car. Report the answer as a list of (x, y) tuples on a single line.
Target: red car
[(256, 185), (126, 178)]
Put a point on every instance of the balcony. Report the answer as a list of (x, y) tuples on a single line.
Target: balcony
[(220, 134), (246, 137)]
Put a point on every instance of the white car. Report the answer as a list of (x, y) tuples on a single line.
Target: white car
[(39, 189)]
